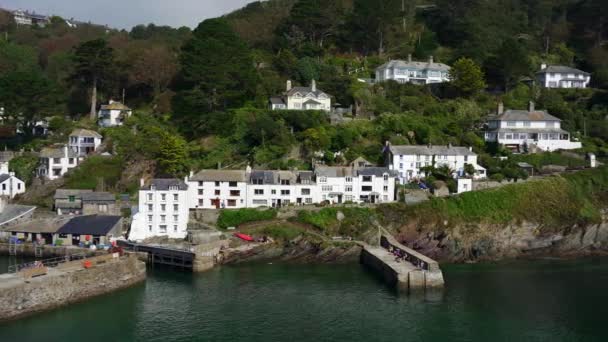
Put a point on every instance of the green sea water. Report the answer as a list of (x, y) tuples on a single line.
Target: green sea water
[(518, 301)]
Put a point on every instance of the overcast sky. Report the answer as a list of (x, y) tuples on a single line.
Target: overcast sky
[(128, 13)]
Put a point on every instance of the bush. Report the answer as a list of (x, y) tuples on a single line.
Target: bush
[(497, 177), (96, 169), (233, 218)]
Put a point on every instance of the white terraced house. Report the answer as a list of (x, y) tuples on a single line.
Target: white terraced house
[(341, 184), (217, 189), (559, 76), (84, 141), (413, 72), (408, 160), (113, 114), (301, 98), (281, 188), (162, 211), (57, 161), (528, 130)]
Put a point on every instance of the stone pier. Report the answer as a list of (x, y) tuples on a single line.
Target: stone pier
[(414, 271)]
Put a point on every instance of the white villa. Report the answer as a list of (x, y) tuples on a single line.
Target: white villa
[(84, 141), (559, 76), (408, 160), (113, 114), (163, 210), (356, 184), (27, 18), (301, 98), (413, 72), (56, 161), (531, 129)]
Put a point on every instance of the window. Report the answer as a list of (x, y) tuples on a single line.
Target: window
[(163, 197), (258, 191), (175, 228), (308, 200), (149, 197), (102, 208), (201, 192), (385, 197), (274, 192), (56, 160), (417, 157), (349, 179), (163, 207), (258, 181), (217, 183), (149, 227), (260, 202), (510, 123), (163, 229), (217, 192), (327, 188), (175, 218), (386, 178), (71, 160), (466, 159), (348, 188), (527, 124), (385, 188), (149, 218), (401, 166), (417, 165), (232, 184), (232, 203), (18, 186), (173, 187), (201, 202), (235, 193), (285, 182), (175, 207), (367, 178), (285, 192), (366, 188), (200, 183), (322, 179), (305, 191), (163, 218), (71, 198), (176, 197)]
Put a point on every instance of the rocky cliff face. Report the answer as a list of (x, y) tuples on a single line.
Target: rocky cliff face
[(487, 242)]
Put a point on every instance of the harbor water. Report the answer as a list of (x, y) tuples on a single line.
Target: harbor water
[(547, 300)]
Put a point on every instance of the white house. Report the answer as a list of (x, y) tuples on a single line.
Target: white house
[(113, 114), (408, 160), (10, 185), (162, 211), (302, 98), (281, 188), (559, 76), (216, 189), (527, 130), (341, 184), (84, 141), (413, 72), (27, 18), (56, 161)]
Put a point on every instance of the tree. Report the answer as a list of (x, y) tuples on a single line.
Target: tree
[(15, 57), (466, 76), (93, 64), (173, 154), (156, 67), (27, 97)]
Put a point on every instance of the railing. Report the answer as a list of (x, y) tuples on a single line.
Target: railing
[(54, 262), (410, 255)]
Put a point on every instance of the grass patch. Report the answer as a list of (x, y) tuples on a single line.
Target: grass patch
[(356, 222), (96, 170), (233, 218), (538, 160), (282, 232)]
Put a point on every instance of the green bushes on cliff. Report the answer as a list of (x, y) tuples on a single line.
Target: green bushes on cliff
[(553, 202), (355, 221), (233, 218)]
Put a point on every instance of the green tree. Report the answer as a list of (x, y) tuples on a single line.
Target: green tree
[(466, 76), (173, 154), (93, 64), (14, 57)]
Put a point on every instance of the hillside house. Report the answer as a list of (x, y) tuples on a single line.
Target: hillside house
[(29, 19), (57, 161), (355, 184), (215, 189), (409, 160), (162, 211), (84, 202), (301, 98), (413, 71), (84, 141), (10, 185), (559, 76), (528, 130), (113, 114)]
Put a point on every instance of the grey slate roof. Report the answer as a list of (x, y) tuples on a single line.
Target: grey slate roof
[(528, 130), (304, 91), (81, 132), (561, 69), (277, 100), (14, 211), (90, 225), (431, 150), (98, 197), (4, 177), (56, 152), (164, 184), (333, 171), (524, 115), (267, 177), (66, 193), (375, 171), (220, 176), (39, 226), (400, 64)]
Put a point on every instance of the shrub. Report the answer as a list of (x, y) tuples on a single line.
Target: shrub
[(233, 218)]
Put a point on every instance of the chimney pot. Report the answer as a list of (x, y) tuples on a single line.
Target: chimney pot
[(313, 85), (409, 57), (501, 108), (543, 66), (288, 87), (531, 106), (142, 182), (431, 60)]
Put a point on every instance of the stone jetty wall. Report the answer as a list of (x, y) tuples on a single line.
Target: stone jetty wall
[(66, 285)]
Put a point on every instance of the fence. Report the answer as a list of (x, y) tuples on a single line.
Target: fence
[(53, 262)]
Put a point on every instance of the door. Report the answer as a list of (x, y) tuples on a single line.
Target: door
[(215, 203), (339, 199)]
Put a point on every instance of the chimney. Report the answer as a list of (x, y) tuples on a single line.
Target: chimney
[(65, 151), (248, 169), (430, 145), (501, 108), (449, 145), (387, 144), (531, 106), (191, 173), (470, 148), (543, 66), (313, 86), (288, 85), (142, 182), (431, 60), (409, 58)]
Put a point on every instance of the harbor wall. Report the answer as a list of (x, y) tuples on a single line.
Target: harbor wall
[(66, 285)]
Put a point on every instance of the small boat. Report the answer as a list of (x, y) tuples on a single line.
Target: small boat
[(243, 237)]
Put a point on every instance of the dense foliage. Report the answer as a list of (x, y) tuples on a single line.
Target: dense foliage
[(233, 218)]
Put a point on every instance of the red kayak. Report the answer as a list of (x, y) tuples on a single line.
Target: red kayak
[(244, 237)]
